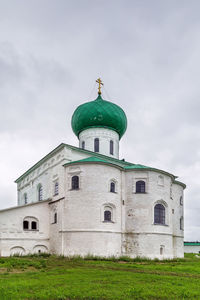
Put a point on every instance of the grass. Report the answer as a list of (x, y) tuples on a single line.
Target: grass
[(51, 277)]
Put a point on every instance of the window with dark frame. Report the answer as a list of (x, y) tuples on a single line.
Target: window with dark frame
[(107, 216), (56, 189), (159, 214), (33, 225), (181, 223), (40, 193), (25, 225), (25, 198), (55, 218), (96, 145), (111, 147), (140, 186), (75, 183), (181, 200), (83, 145), (112, 187)]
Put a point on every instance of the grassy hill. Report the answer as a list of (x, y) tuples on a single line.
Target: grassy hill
[(74, 278)]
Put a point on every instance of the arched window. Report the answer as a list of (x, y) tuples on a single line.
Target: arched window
[(55, 218), (33, 225), (40, 193), (111, 147), (140, 186), (25, 198), (96, 145), (181, 200), (107, 215), (56, 189), (162, 249), (181, 223), (25, 225), (75, 183), (83, 145), (30, 223), (159, 214), (112, 187)]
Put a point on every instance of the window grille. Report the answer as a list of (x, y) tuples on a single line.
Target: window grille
[(159, 214), (75, 183), (140, 186)]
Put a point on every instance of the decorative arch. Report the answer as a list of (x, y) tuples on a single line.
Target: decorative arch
[(40, 249), (17, 250)]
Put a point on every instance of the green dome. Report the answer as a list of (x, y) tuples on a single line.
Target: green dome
[(99, 113)]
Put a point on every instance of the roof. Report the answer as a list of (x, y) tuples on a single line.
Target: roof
[(99, 113), (191, 243), (99, 158)]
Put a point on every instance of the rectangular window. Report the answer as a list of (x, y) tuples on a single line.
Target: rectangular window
[(96, 145)]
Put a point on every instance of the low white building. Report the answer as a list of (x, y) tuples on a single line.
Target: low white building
[(192, 247), (79, 201)]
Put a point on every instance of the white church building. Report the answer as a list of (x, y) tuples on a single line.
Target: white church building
[(85, 200)]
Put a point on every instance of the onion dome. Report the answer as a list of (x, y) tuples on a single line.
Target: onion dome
[(99, 113)]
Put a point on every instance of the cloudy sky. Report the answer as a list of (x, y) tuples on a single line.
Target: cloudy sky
[(147, 54)]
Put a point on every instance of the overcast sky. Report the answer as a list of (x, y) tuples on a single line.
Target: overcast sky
[(147, 54)]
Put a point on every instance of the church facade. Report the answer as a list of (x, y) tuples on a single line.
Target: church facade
[(85, 200)]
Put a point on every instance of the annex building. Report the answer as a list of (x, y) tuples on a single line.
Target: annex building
[(85, 200)]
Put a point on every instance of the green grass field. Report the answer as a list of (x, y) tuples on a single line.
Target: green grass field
[(74, 278)]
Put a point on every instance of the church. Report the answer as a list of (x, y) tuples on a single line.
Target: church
[(86, 201)]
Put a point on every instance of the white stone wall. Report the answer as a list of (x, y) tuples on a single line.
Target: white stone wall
[(192, 249), (47, 174), (14, 239), (84, 229), (148, 238), (80, 228), (104, 135)]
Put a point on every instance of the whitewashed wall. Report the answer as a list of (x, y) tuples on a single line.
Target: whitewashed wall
[(13, 237), (192, 248), (104, 135)]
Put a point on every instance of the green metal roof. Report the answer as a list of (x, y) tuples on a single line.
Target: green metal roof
[(99, 113), (191, 243)]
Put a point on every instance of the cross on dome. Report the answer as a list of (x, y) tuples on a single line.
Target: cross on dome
[(100, 83)]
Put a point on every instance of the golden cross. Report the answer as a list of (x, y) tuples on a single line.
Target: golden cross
[(100, 83)]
